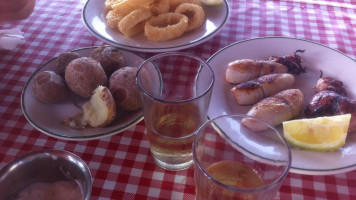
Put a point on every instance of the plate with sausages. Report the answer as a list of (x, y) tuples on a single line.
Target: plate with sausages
[(315, 60), (99, 19)]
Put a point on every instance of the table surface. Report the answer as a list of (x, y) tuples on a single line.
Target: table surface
[(121, 165)]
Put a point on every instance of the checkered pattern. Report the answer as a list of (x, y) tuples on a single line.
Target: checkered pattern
[(121, 165)]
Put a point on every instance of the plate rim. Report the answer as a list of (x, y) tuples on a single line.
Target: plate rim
[(75, 138), (297, 170), (277, 37), (156, 50)]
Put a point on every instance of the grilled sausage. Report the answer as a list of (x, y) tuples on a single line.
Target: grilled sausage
[(243, 70), (250, 92), (274, 110)]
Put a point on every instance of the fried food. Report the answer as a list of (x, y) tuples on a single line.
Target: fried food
[(109, 57), (140, 2), (49, 87), (88, 77), (113, 18), (159, 7), (100, 110), (123, 87), (83, 75), (63, 60), (125, 7), (166, 26), (109, 3), (175, 3), (133, 23), (195, 14), (131, 17)]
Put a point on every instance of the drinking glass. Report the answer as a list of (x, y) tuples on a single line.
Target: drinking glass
[(176, 89), (234, 162)]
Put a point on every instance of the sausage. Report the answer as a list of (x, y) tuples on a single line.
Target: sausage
[(274, 110), (250, 92), (243, 70)]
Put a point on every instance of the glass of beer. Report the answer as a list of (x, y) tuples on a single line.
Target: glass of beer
[(176, 89), (234, 162)]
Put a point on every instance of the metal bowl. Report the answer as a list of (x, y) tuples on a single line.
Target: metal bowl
[(44, 166)]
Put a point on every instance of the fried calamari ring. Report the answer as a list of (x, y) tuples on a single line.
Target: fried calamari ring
[(134, 22), (113, 19), (159, 7), (195, 14), (166, 26), (125, 7), (175, 3), (140, 2), (109, 3)]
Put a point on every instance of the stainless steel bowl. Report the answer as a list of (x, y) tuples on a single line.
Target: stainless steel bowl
[(44, 166)]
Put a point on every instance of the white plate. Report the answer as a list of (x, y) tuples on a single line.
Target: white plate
[(93, 16), (49, 118), (315, 58)]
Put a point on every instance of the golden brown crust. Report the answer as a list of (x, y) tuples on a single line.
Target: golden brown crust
[(166, 26), (110, 3), (125, 7), (133, 23), (113, 18), (274, 110), (243, 70), (83, 75), (63, 60), (175, 3), (247, 93), (127, 16), (159, 7), (122, 85), (271, 67), (49, 87), (294, 98), (110, 58), (195, 14)]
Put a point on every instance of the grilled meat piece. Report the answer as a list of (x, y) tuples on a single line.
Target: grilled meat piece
[(329, 103), (243, 70), (327, 83), (331, 100), (251, 92), (276, 109)]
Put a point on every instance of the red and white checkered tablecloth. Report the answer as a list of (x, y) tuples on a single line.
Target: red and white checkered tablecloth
[(121, 165)]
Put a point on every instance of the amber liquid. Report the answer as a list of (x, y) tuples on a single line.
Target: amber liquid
[(171, 132), (235, 174), (230, 173)]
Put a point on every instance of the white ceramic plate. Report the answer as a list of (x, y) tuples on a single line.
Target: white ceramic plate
[(49, 118), (315, 58), (93, 16)]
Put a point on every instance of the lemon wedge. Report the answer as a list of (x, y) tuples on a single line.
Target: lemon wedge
[(317, 134), (212, 2)]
